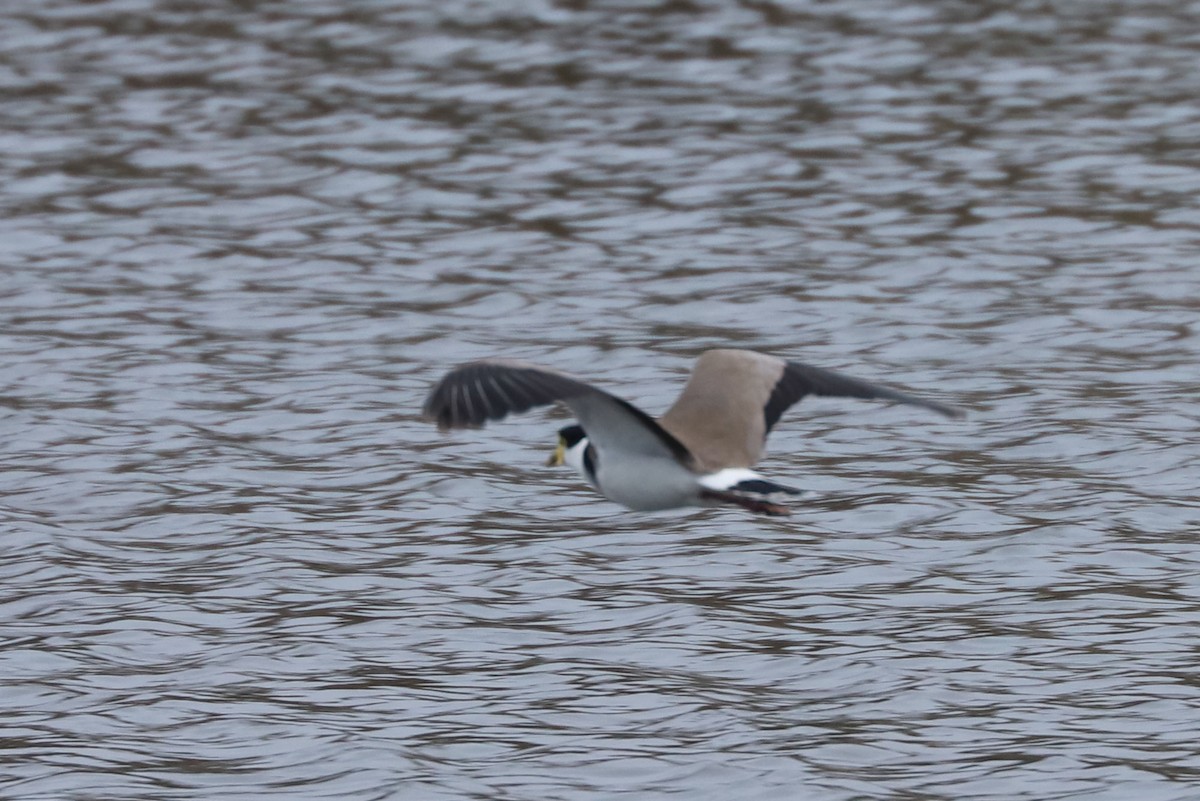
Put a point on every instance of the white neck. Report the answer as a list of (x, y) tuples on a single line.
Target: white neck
[(573, 457)]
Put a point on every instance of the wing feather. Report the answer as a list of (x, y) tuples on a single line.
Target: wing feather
[(470, 395), (799, 380), (719, 414), (734, 398)]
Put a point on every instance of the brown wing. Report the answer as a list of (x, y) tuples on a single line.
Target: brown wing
[(719, 414), (735, 397)]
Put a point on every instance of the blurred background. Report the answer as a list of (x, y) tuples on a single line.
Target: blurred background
[(240, 241)]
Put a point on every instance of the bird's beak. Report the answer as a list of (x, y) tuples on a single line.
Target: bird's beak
[(556, 458)]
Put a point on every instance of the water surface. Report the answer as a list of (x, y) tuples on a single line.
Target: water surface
[(240, 242)]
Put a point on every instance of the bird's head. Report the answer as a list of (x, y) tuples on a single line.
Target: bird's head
[(570, 447)]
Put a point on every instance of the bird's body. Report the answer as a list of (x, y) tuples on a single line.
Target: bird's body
[(647, 483), (647, 488), (697, 454)]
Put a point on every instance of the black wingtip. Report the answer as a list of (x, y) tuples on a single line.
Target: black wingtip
[(472, 394), (438, 408)]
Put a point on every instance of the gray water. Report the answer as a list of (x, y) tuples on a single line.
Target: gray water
[(239, 242)]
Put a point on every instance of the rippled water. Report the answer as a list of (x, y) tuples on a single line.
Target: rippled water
[(240, 241)]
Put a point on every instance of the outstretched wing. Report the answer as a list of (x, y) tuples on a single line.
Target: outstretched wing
[(800, 379), (470, 395), (734, 397)]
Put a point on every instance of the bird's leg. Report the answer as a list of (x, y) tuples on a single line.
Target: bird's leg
[(756, 505)]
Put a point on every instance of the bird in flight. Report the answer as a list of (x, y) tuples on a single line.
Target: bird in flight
[(700, 453)]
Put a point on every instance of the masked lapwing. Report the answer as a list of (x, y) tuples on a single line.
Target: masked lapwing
[(697, 454)]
